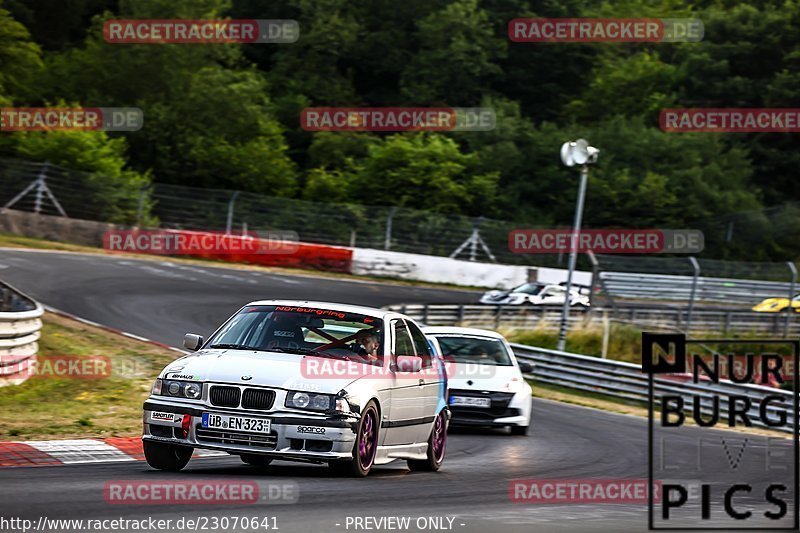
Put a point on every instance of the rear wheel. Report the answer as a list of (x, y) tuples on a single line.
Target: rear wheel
[(437, 443), (255, 460), (163, 456), (365, 448)]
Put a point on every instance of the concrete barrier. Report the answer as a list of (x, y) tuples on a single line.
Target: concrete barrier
[(437, 269), (54, 228)]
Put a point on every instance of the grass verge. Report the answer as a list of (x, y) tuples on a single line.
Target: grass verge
[(45, 407)]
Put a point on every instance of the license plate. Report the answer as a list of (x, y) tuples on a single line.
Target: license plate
[(467, 401), (236, 423)]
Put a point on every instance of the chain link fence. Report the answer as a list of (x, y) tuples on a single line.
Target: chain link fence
[(50, 189)]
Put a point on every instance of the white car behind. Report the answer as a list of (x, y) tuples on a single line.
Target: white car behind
[(486, 385)]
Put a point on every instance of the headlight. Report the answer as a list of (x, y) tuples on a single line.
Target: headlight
[(177, 389), (515, 385), (313, 402)]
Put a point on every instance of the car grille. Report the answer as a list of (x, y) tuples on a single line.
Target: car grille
[(254, 440), (258, 399), (225, 396)]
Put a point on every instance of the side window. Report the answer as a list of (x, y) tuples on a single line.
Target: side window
[(421, 344), (403, 345)]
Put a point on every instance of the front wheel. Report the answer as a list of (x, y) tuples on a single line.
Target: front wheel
[(437, 443), (163, 456), (365, 447)]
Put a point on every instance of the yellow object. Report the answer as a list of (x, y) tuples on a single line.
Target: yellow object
[(776, 305)]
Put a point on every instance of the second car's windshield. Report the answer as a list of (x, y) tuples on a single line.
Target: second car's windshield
[(476, 350), (302, 330), (529, 288)]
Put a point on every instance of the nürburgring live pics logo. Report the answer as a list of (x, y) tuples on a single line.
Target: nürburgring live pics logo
[(744, 478)]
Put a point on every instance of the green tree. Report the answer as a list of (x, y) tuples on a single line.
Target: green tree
[(20, 59)]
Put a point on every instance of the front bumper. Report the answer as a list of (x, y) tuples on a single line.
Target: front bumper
[(507, 409), (294, 436)]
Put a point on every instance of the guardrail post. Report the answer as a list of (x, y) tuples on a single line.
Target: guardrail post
[(497, 317), (387, 239), (229, 222), (727, 325), (140, 206), (790, 308), (460, 313), (696, 267), (593, 284), (425, 314)]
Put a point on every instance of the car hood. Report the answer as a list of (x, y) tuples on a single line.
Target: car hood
[(768, 304), (268, 369), (480, 377)]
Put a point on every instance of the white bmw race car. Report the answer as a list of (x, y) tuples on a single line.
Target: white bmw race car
[(348, 386), (537, 294), (485, 379)]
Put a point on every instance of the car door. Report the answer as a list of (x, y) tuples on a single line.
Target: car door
[(402, 423), (433, 380)]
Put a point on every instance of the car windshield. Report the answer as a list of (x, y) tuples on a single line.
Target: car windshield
[(528, 288), (476, 350), (303, 331)]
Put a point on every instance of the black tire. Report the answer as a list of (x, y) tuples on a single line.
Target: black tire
[(519, 430), (163, 456), (255, 460), (437, 444), (363, 456)]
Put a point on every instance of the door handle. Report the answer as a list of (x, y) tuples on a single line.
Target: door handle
[(421, 382)]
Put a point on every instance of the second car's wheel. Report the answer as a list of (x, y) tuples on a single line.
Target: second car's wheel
[(365, 447), (437, 443), (165, 456), (519, 430), (255, 460)]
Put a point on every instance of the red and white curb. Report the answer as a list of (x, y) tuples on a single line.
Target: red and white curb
[(82, 451)]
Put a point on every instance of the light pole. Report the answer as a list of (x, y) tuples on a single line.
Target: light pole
[(576, 152)]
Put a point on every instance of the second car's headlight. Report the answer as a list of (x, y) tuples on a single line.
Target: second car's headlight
[(310, 401), (515, 385), (177, 389)]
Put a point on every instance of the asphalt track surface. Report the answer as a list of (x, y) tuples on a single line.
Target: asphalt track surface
[(161, 300)]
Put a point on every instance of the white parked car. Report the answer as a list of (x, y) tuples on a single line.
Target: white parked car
[(536, 294), (318, 382), (486, 385)]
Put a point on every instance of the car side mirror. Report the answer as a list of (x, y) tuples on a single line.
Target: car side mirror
[(409, 363), (525, 367), (192, 342)]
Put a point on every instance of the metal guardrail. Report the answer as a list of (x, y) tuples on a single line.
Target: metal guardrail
[(679, 288), (20, 329), (703, 320), (627, 381)]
